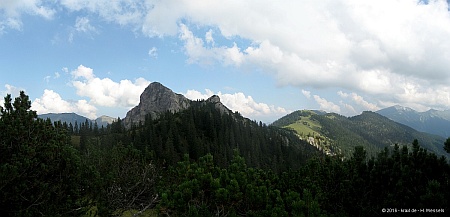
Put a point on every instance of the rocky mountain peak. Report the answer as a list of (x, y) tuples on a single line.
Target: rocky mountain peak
[(214, 99), (400, 108), (155, 100)]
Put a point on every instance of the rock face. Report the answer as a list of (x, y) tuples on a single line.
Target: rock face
[(214, 99), (155, 100)]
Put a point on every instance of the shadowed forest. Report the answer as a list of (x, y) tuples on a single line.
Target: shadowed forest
[(201, 162)]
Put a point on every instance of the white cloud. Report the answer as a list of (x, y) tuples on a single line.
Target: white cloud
[(342, 94), (9, 89), (83, 72), (83, 107), (209, 38), (198, 53), (327, 105), (366, 105), (106, 92), (47, 78), (82, 25), (51, 102), (371, 47), (11, 11), (123, 12), (306, 93), (359, 100), (348, 110), (153, 52), (34, 7), (12, 23), (377, 48), (197, 95), (245, 105)]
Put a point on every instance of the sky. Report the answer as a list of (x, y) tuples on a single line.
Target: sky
[(263, 58)]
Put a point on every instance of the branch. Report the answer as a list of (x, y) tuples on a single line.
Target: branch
[(146, 207)]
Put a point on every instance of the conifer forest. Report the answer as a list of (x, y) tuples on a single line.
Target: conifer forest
[(203, 162)]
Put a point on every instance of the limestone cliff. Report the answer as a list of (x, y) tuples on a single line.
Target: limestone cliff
[(155, 100), (214, 99)]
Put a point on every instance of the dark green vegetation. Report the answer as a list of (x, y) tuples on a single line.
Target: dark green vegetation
[(200, 162), (370, 130), (40, 173)]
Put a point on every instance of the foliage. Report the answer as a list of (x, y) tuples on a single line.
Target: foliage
[(39, 171), (201, 162), (202, 129), (355, 187), (123, 178), (363, 187), (370, 130), (204, 189)]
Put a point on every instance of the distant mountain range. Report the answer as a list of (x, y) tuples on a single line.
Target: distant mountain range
[(73, 117), (432, 121), (336, 134)]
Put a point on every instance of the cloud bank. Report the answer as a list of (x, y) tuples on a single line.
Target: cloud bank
[(99, 92), (395, 51), (106, 92), (52, 102)]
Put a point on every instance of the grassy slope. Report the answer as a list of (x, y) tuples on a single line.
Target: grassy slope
[(306, 126), (370, 130)]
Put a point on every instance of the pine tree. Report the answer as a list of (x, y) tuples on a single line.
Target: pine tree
[(39, 170), (447, 145)]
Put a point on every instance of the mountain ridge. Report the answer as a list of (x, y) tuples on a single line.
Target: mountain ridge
[(71, 117), (337, 134), (431, 121), (157, 99)]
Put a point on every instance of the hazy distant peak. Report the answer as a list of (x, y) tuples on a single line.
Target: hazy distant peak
[(104, 120), (403, 108), (432, 121)]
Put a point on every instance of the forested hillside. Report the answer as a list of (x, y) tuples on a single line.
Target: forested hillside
[(202, 129), (201, 162), (370, 130)]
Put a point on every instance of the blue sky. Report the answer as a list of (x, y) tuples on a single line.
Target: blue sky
[(263, 58)]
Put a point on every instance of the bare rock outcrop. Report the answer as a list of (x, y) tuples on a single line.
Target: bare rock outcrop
[(214, 99), (155, 100)]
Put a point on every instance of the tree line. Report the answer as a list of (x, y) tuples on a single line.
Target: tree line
[(200, 162)]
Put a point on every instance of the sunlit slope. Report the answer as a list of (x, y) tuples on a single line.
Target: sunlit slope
[(336, 134)]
